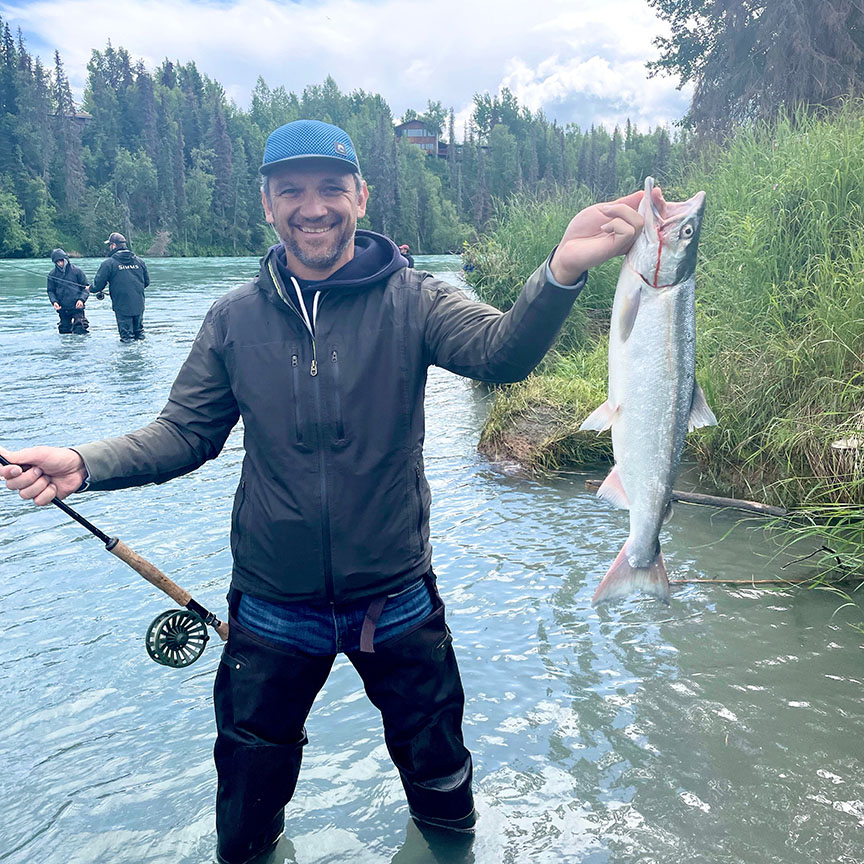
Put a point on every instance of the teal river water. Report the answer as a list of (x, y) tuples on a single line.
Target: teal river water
[(724, 728)]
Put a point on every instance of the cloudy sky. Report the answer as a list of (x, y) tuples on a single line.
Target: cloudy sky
[(581, 61)]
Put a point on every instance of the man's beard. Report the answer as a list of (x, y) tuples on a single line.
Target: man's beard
[(324, 259)]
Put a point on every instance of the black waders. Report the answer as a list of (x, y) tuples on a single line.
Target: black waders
[(263, 694)]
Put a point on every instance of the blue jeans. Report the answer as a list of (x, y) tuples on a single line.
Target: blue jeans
[(322, 629)]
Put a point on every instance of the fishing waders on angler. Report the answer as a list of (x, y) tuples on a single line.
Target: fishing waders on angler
[(263, 694), (73, 320)]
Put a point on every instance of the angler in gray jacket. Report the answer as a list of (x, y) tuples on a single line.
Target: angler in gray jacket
[(325, 355)]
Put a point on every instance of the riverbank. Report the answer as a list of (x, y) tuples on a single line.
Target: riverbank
[(780, 330)]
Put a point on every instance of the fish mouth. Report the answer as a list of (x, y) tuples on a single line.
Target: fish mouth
[(658, 215), (684, 209)]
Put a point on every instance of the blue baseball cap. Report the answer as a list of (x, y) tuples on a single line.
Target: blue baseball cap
[(309, 139)]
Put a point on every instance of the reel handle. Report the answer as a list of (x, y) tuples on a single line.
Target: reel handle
[(156, 577)]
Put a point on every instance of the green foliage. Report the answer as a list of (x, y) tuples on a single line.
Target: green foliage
[(13, 238)]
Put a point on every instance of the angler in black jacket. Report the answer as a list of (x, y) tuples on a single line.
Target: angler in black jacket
[(127, 276), (325, 355), (68, 290)]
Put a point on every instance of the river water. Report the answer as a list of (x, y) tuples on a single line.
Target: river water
[(724, 728)]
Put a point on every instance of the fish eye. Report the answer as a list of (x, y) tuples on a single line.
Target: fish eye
[(686, 232)]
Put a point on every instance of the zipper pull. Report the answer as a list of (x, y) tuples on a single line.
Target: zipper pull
[(313, 369)]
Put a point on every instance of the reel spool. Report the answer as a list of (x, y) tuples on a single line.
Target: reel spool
[(176, 638)]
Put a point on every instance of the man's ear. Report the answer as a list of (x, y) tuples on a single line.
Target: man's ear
[(266, 205), (362, 200)]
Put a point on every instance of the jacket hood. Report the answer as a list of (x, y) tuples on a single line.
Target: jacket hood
[(375, 258), (123, 254)]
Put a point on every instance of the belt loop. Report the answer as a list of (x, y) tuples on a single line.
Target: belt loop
[(367, 632)]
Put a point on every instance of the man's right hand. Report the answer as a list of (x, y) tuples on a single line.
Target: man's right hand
[(57, 306), (40, 474)]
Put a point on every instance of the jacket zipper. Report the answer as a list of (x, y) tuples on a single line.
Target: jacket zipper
[(326, 552), (313, 368), (325, 504)]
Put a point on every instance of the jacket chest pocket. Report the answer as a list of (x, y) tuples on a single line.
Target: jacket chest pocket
[(336, 384), (295, 378)]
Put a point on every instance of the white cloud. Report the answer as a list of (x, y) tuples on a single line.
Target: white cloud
[(578, 65)]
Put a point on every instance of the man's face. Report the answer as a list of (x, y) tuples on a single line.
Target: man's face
[(61, 263), (314, 209)]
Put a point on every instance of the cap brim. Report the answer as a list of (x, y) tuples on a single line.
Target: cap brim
[(346, 164)]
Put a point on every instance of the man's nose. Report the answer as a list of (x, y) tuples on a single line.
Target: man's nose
[(312, 207)]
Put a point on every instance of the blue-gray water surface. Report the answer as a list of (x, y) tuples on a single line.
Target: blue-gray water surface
[(724, 728)]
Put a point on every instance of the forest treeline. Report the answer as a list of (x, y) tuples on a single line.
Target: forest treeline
[(163, 156)]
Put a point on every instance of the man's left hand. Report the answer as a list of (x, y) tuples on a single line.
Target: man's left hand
[(598, 233), (79, 304)]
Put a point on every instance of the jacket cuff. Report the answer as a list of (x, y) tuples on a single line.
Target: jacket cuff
[(578, 285), (88, 454)]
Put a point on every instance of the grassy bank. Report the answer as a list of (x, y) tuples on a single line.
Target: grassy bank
[(780, 332)]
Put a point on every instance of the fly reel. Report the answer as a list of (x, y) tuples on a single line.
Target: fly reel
[(176, 638)]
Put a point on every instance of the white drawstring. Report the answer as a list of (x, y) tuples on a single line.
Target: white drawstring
[(310, 325)]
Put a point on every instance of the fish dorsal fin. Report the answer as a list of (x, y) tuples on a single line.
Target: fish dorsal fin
[(612, 490), (600, 419), (700, 414), (628, 311)]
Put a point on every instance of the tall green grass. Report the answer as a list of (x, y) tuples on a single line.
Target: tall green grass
[(781, 310), (780, 306)]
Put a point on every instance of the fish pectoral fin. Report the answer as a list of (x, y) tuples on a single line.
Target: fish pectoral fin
[(629, 310), (612, 490), (700, 414), (622, 578), (668, 514), (600, 419)]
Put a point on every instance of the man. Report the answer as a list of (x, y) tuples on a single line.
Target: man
[(68, 290), (325, 355), (405, 249), (127, 276)]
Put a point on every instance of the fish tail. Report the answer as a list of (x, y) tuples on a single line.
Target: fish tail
[(621, 579)]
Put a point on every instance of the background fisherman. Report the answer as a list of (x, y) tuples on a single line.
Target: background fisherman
[(127, 276), (68, 290), (405, 249), (325, 355)]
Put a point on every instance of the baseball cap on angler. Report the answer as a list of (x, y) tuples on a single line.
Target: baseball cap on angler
[(115, 238), (309, 139)]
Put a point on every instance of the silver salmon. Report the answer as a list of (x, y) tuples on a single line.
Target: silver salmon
[(654, 399)]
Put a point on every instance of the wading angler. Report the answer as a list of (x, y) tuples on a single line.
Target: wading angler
[(325, 354)]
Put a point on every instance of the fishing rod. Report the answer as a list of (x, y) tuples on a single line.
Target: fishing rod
[(43, 275), (177, 637)]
